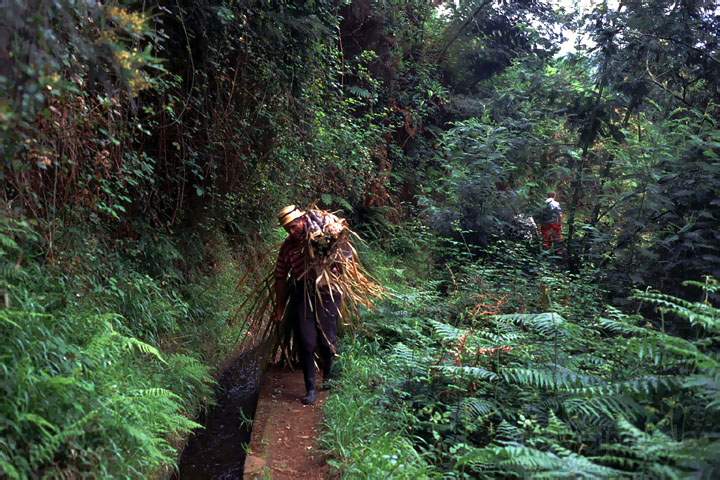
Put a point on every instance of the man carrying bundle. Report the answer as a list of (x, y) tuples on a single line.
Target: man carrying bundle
[(307, 281)]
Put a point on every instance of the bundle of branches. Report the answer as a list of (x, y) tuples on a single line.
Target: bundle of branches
[(333, 263), (254, 313), (332, 267)]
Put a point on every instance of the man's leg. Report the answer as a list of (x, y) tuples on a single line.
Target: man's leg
[(557, 232), (307, 334), (546, 232), (328, 317)]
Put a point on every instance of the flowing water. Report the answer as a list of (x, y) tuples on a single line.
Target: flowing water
[(218, 451)]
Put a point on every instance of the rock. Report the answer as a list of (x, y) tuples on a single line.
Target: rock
[(254, 465)]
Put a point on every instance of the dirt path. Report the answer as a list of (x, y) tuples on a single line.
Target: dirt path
[(284, 432)]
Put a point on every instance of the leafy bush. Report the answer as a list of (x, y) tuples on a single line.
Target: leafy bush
[(482, 388), (367, 440), (101, 372), (80, 398)]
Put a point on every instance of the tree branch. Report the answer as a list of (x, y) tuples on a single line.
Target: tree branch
[(676, 95), (684, 44), (461, 29)]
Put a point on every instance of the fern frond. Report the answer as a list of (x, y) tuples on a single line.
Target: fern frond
[(643, 385), (131, 343), (507, 338), (527, 461), (707, 386), (5, 317), (702, 314), (508, 433), (545, 377), (659, 456), (609, 407), (477, 407), (473, 373), (621, 324), (39, 421), (154, 392), (9, 469), (44, 452), (407, 357), (549, 323), (447, 333)]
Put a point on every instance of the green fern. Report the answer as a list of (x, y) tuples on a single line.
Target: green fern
[(466, 373), (518, 460), (602, 407), (409, 358), (548, 378), (8, 468), (447, 333), (696, 313), (548, 324), (154, 392), (473, 408)]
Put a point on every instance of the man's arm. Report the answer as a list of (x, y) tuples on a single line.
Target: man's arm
[(281, 295), (282, 269)]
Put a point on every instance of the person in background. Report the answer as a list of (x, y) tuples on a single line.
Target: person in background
[(551, 221)]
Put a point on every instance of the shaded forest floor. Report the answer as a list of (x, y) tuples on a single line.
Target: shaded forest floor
[(257, 434), (284, 439)]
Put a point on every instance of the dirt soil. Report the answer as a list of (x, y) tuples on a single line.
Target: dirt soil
[(284, 433)]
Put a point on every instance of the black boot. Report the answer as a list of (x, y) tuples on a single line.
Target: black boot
[(310, 398), (309, 373)]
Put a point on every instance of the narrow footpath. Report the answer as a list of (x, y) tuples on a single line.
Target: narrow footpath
[(284, 442)]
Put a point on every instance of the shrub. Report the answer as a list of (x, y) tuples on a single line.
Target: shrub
[(483, 383)]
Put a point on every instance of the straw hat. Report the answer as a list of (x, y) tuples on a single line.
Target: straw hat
[(288, 214)]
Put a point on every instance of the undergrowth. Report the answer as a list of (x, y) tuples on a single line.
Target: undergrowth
[(108, 349), (506, 367)]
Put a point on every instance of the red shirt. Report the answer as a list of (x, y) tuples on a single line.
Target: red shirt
[(291, 260)]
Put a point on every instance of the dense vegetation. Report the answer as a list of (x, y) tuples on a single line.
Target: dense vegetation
[(520, 370), (146, 147)]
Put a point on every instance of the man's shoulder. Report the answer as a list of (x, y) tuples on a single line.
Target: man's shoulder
[(290, 244), (552, 203)]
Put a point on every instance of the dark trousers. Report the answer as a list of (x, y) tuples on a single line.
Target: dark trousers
[(315, 322)]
